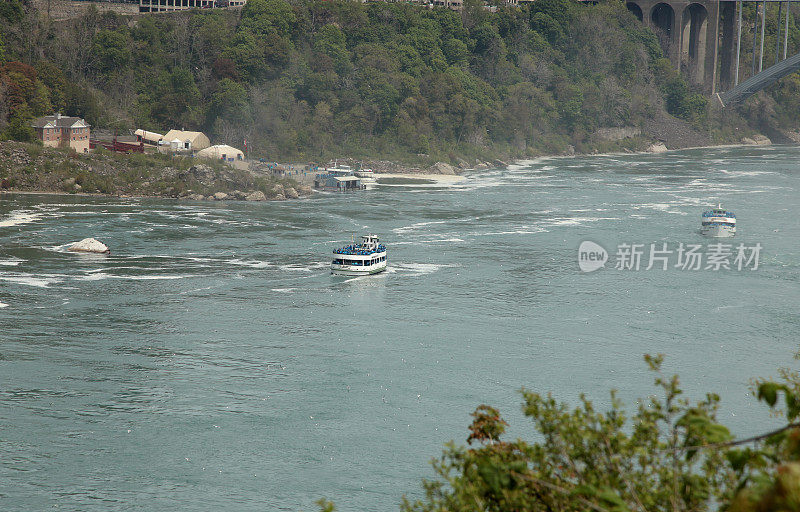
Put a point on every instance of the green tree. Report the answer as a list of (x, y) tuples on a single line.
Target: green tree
[(671, 454), (263, 16), (110, 50), (19, 126), (330, 41)]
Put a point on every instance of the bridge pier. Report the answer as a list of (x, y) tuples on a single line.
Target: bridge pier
[(689, 31)]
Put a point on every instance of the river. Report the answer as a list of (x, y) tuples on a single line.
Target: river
[(213, 363)]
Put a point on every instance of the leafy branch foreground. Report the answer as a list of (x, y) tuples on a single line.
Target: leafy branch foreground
[(670, 455)]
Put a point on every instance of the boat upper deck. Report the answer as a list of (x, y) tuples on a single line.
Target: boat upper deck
[(360, 249), (719, 213)]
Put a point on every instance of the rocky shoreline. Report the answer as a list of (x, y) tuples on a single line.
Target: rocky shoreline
[(29, 168), (33, 168)]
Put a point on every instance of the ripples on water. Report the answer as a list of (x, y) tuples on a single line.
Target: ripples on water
[(213, 363)]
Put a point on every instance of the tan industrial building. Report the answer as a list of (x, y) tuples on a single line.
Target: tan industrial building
[(181, 141)]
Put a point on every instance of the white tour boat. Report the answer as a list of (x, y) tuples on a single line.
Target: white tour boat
[(368, 257), (718, 223)]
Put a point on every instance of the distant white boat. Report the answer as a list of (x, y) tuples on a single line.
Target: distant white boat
[(718, 223), (368, 257)]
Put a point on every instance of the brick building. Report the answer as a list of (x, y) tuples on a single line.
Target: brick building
[(63, 131)]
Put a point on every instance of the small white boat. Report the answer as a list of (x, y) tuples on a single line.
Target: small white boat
[(718, 223), (368, 257)]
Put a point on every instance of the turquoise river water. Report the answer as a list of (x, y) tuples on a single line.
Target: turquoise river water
[(213, 363)]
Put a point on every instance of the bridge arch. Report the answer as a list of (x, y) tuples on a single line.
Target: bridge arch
[(635, 9), (694, 39), (662, 17)]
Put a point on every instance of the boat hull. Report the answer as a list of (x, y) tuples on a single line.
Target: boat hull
[(343, 270), (720, 231)]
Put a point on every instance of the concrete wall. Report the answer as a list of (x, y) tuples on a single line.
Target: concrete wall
[(67, 9)]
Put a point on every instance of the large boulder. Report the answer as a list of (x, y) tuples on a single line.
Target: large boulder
[(278, 190), (256, 196), (221, 196), (291, 193), (195, 197), (90, 245), (442, 168), (658, 147)]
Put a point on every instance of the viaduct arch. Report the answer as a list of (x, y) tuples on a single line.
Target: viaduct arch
[(688, 31)]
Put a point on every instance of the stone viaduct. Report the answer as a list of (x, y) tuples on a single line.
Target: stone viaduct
[(698, 36)]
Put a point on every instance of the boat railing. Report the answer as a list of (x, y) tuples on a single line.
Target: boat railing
[(356, 250)]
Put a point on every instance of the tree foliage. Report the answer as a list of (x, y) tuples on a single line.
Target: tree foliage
[(389, 79), (671, 454)]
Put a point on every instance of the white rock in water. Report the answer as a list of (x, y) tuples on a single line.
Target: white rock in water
[(658, 147), (90, 245)]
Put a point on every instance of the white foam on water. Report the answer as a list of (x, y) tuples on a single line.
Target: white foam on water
[(3, 305), (155, 277), (41, 281), (744, 173), (416, 226), (186, 292), (11, 262), (576, 221), (250, 263), (524, 230), (59, 248), (283, 290), (418, 269), (99, 276), (438, 241), (19, 217), (296, 267)]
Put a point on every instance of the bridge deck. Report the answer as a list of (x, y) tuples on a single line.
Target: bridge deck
[(760, 80)]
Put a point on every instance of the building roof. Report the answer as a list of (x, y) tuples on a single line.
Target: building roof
[(184, 136), (144, 134), (59, 121), (218, 150)]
